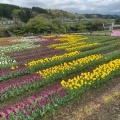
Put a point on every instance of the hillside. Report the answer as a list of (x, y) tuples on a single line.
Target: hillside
[(38, 20), (24, 14)]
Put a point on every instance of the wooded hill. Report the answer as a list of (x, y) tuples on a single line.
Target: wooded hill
[(11, 11), (37, 20), (24, 14)]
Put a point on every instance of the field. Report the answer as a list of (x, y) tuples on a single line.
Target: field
[(66, 77)]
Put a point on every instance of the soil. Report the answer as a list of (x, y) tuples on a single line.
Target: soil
[(102, 103)]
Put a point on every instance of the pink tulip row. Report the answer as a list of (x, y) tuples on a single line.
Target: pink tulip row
[(25, 80), (36, 103), (8, 71), (47, 43)]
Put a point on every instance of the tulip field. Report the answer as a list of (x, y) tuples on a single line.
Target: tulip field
[(39, 74)]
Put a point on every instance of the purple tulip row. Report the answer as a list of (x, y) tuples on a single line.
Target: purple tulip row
[(9, 86), (8, 71), (30, 58), (22, 51), (47, 43), (35, 105), (35, 53), (38, 37), (28, 52)]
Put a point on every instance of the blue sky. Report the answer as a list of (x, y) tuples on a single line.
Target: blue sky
[(75, 6)]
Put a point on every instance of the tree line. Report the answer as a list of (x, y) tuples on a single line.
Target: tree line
[(46, 24), (24, 14)]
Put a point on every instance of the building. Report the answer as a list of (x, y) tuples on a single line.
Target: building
[(107, 27), (110, 26), (10, 22)]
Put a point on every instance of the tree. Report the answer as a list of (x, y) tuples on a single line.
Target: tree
[(28, 14), (81, 28), (117, 21), (15, 16), (39, 10), (38, 25), (6, 10), (95, 24)]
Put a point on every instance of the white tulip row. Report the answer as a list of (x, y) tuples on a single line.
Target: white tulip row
[(26, 44)]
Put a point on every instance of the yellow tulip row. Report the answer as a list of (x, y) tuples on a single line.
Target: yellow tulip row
[(73, 43), (50, 59), (46, 73), (67, 45), (82, 46), (49, 36), (71, 46), (63, 36), (71, 39), (88, 78)]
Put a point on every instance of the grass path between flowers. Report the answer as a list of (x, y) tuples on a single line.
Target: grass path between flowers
[(102, 103)]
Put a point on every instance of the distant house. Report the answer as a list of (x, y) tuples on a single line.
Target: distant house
[(74, 20), (4, 23), (10, 22), (107, 27), (67, 20), (83, 20), (110, 26), (116, 26)]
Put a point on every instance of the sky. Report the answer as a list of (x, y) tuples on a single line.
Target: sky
[(74, 6)]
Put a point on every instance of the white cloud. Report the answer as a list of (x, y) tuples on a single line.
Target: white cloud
[(75, 6)]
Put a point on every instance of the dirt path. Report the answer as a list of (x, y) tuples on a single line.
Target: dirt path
[(102, 103)]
